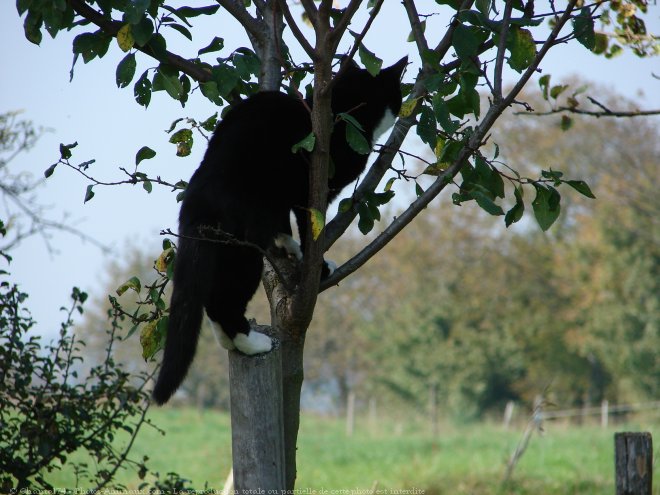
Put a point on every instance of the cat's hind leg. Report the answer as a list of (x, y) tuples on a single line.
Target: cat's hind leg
[(237, 279)]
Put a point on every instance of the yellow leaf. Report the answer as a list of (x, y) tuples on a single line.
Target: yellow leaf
[(125, 38), (436, 168), (163, 260), (407, 108), (149, 339), (318, 222), (439, 145)]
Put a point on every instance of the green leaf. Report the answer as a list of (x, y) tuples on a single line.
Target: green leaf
[(411, 36), (89, 193), (196, 11), (318, 222), (50, 170), (183, 139), (520, 43), (555, 91), (215, 45), (581, 187), (126, 70), (210, 123), (467, 40), (307, 143), (181, 29), (135, 10), (350, 119), (142, 31), (226, 77), (169, 82), (345, 205), (565, 123), (426, 127), (132, 283), (546, 205), (65, 150), (366, 221), (142, 90), (486, 203), (247, 64), (146, 184), (370, 61), (210, 90), (91, 45), (583, 29), (544, 83), (515, 214), (356, 140), (144, 153), (32, 26)]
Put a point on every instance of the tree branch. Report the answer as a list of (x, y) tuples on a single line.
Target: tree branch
[(416, 26), (446, 177), (311, 11), (192, 69), (445, 43), (593, 113), (501, 47), (295, 29), (239, 12), (336, 33)]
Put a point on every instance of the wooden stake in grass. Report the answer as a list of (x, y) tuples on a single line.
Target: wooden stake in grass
[(633, 461)]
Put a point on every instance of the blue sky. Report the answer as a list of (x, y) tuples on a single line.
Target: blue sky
[(110, 127)]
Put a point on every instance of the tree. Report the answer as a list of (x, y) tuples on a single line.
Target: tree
[(22, 213), (443, 105)]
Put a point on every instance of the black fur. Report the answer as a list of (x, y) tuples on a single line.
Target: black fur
[(246, 186)]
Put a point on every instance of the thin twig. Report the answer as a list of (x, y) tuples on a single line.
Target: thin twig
[(416, 26), (501, 47), (240, 13), (230, 240), (593, 113), (356, 44), (339, 29)]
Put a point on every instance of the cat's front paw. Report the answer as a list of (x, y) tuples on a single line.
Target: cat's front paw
[(328, 269), (286, 242), (253, 343)]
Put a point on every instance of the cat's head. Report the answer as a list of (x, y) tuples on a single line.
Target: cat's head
[(374, 101)]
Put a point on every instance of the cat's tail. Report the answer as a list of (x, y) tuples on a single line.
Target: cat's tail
[(193, 273)]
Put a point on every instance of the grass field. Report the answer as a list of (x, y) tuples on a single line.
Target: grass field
[(466, 459)]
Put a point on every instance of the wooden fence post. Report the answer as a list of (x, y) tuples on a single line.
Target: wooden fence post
[(604, 413), (257, 420), (633, 459), (508, 414), (350, 414)]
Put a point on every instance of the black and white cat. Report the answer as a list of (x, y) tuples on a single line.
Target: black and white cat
[(244, 190)]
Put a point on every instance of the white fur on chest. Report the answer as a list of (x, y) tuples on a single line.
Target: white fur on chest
[(385, 123)]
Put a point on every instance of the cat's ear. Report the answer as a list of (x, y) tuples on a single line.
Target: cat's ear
[(397, 69)]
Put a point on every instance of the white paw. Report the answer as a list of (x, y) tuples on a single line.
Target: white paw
[(221, 337), (332, 266), (286, 242), (253, 343)]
